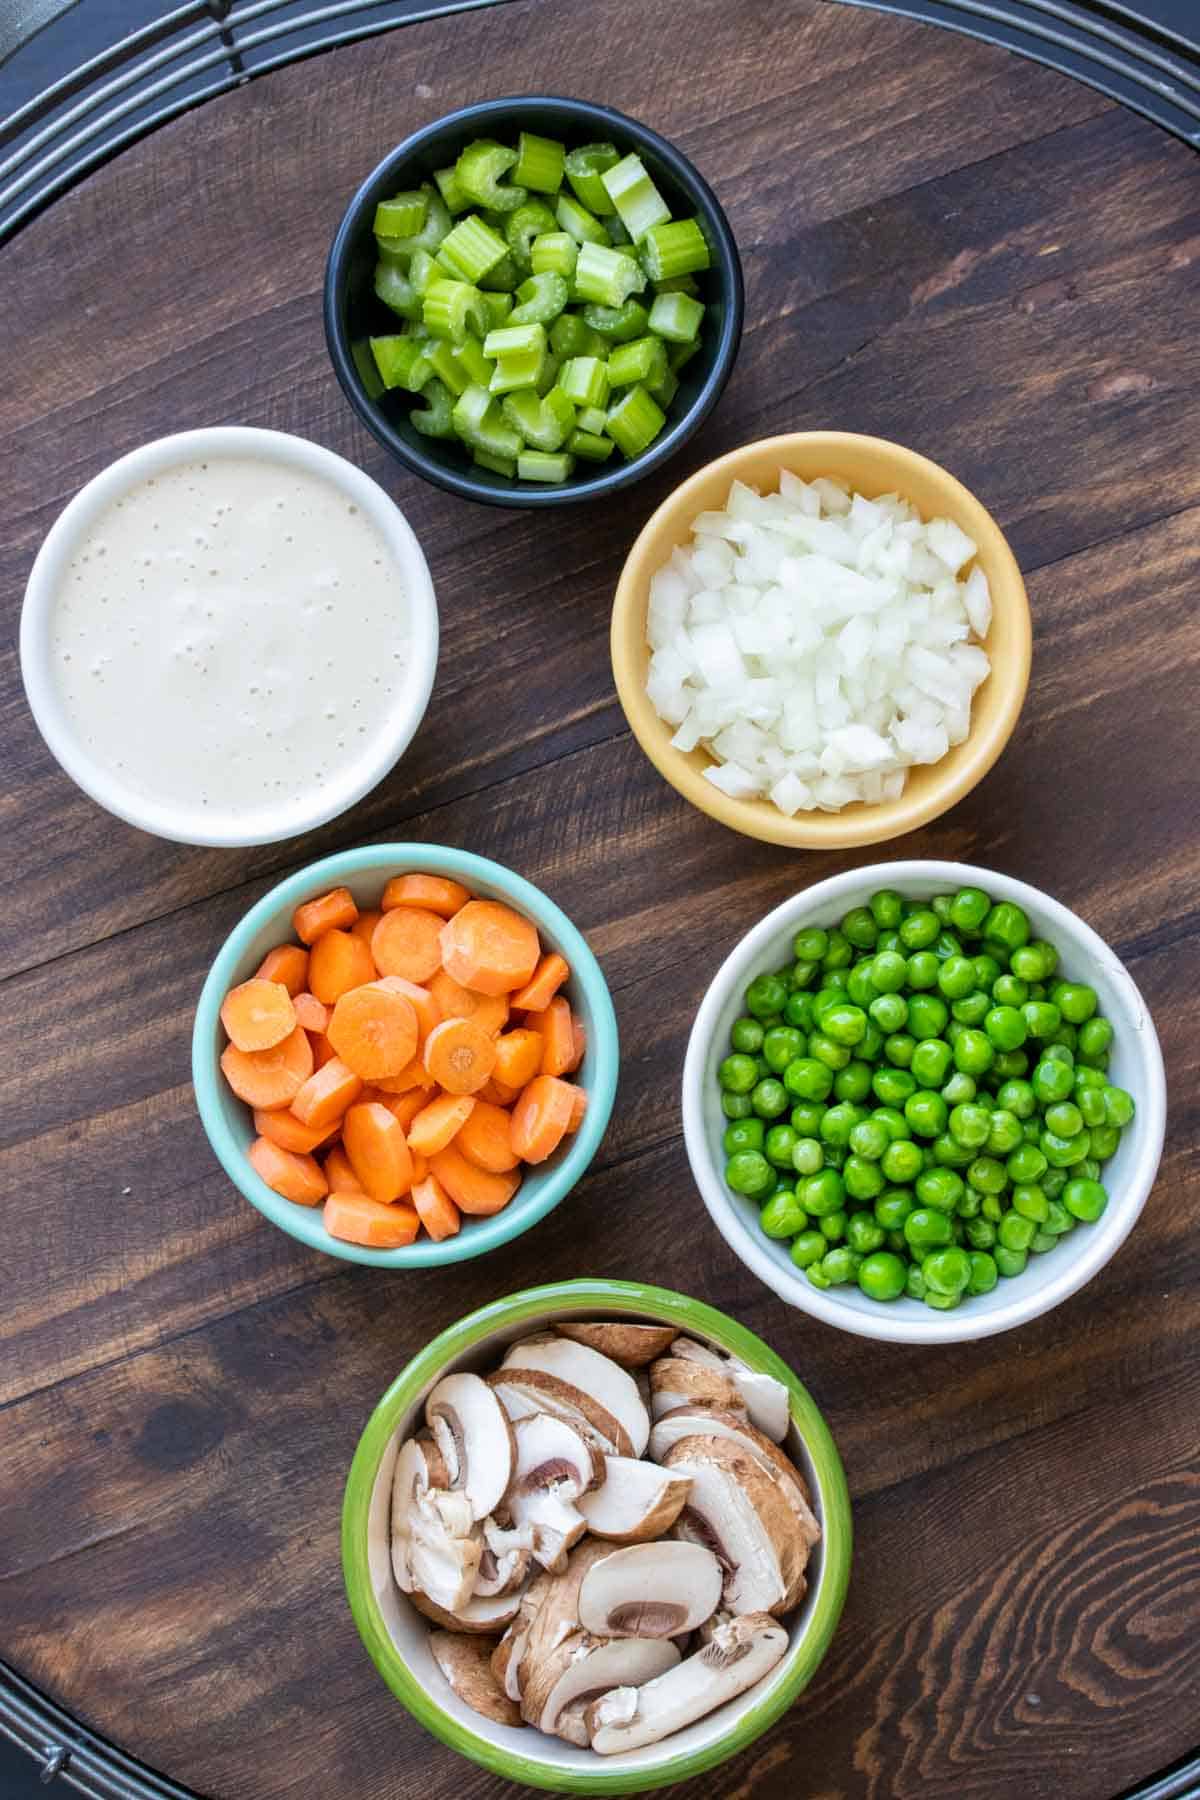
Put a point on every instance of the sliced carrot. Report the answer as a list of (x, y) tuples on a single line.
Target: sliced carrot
[(499, 1093), (338, 962), (486, 1139), (284, 1128), (579, 1047), (287, 965), (374, 1030), (257, 1015), (404, 1107), (473, 1190), (379, 1155), (489, 947), (365, 924), (406, 942), (548, 977), (334, 911), (358, 1220), (298, 1178), (428, 1012), (420, 1167), (339, 1174), (541, 1118), (439, 1122), (323, 1051), (437, 1211), (518, 1057), (310, 1012), (272, 1078), (558, 1041), (460, 1055), (436, 893), (458, 1002), (579, 1106), (413, 1075), (326, 1094)]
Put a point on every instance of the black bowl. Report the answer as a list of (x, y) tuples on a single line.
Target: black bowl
[(352, 312)]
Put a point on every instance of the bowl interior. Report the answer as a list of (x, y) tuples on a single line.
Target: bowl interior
[(354, 313), (397, 1636), (1136, 1065), (872, 466), (228, 1121)]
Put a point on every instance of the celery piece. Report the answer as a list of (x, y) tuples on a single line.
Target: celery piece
[(437, 224), (452, 308), (644, 360), (605, 276), (447, 367), (569, 336), (469, 357), (498, 308), (591, 420), (585, 380), (551, 364), (470, 410), (664, 391), (582, 225), (590, 445), (679, 354), (584, 168), (561, 409), (434, 420), (480, 169), (618, 323), (503, 278), (519, 369), (634, 422), (536, 465), (554, 253), (368, 372), (676, 317), (677, 247), (539, 300), (678, 284), (479, 423), (499, 465), (539, 163), (393, 287), (401, 362), (471, 249), (402, 216), (635, 197), (528, 222), (510, 340), (454, 195), (422, 269), (618, 234), (545, 423)]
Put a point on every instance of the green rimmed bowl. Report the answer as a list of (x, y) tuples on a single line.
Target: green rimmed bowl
[(228, 1122), (396, 1636)]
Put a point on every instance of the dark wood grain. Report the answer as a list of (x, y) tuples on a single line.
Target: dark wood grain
[(942, 244)]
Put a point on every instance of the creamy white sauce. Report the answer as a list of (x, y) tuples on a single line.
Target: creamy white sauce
[(229, 636)]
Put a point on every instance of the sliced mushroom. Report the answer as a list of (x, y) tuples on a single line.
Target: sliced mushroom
[(471, 1429), (554, 1467), (524, 1392), (510, 1651), (630, 1345), (597, 1376), (764, 1398), (419, 1467), (572, 1723), (687, 1421), (584, 1666), (675, 1382), (635, 1502), (555, 1615), (444, 1550), (463, 1660), (650, 1590), (487, 1616), (739, 1654), (505, 1558), (738, 1511)]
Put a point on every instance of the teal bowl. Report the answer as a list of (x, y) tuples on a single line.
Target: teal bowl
[(396, 1636), (228, 1122)]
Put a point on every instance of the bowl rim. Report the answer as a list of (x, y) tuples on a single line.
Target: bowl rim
[(623, 1298), (884, 1324), (118, 477), (606, 481), (304, 1223), (855, 826)]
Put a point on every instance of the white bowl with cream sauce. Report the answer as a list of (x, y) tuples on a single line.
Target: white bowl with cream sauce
[(229, 636)]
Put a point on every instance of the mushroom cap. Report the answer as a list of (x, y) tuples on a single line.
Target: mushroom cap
[(738, 1511), (463, 1659), (636, 1501), (677, 1381), (736, 1658), (765, 1399), (690, 1421), (486, 1616), (554, 1466), (599, 1377), (650, 1590), (523, 1392), (586, 1666), (472, 1431), (630, 1345)]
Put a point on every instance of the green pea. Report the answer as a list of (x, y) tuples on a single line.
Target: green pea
[(956, 977), (808, 1248), (1015, 1232), (833, 1226), (968, 910), (1043, 1240), (1008, 1064), (992, 1207), (780, 1141), (889, 972), (840, 1265), (927, 1015), (1064, 1152), (746, 1035), (1052, 1080), (808, 1079), (892, 1087), (927, 1229), (1058, 1219), (973, 1053), (984, 1273), (800, 976), (869, 1139), (1090, 1102), (805, 1117), (817, 1276), (987, 971), (968, 1207), (766, 994), (743, 1134), (854, 1081), (940, 1188), (838, 1123), (887, 909), (959, 1090), (1029, 1200), (822, 1193), (1076, 1001), (914, 1282), (1085, 1199), (972, 1010), (988, 1175), (1118, 1107), (750, 1173), (798, 1010), (889, 1012), (890, 940), (947, 1271), (893, 1206), (902, 1161), (1009, 1262), (1064, 1119), (922, 970), (1007, 925), (782, 1216), (1095, 1037), (807, 1155), (1062, 1044), (781, 1045), (931, 1060), (824, 1049), (893, 1122), (1026, 1163), (898, 1047), (835, 1156), (769, 1098), (839, 952), (736, 1106), (1007, 990), (920, 930), (1017, 1097), (737, 1074), (980, 1233), (860, 927), (810, 944), (941, 904), (970, 1125), (948, 1153), (881, 1275), (1053, 1182), (845, 1024), (1004, 1133), (927, 1113), (859, 986), (1105, 1139), (1005, 1028), (864, 1234), (863, 1179)]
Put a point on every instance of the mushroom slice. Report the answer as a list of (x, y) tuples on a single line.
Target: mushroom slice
[(737, 1511), (738, 1655), (572, 1723), (687, 1421), (676, 1381), (635, 1502), (510, 1651), (523, 1392), (554, 1467), (463, 1660), (504, 1559), (630, 1345), (764, 1398), (444, 1549), (584, 1666), (650, 1590), (471, 1429), (485, 1616), (419, 1467), (599, 1377), (554, 1617)]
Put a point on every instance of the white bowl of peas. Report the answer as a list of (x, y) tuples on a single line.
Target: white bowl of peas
[(924, 1102)]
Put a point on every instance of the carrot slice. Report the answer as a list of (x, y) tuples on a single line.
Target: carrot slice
[(460, 1055), (284, 1128), (541, 1118), (436, 1124), (437, 1211), (406, 942), (338, 962), (326, 1094), (558, 1041), (518, 1057), (499, 1093), (272, 1078), (358, 1220), (374, 1030), (339, 1174), (579, 1106), (257, 1015), (379, 1155), (579, 1047), (458, 1002), (323, 1051), (428, 1012), (288, 965), (334, 911), (413, 1075), (404, 1107), (298, 1178), (310, 1012), (548, 977), (364, 925), (420, 1167), (489, 947), (486, 1139), (436, 893), (473, 1190)]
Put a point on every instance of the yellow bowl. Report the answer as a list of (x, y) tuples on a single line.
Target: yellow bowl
[(872, 466)]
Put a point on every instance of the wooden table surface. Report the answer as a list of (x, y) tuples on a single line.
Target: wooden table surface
[(945, 245)]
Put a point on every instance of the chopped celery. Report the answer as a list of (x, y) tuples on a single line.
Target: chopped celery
[(618, 235), (368, 373), (479, 422), (620, 323), (422, 269), (634, 422), (437, 224), (469, 357), (591, 420), (545, 423), (539, 300), (393, 287), (606, 276), (471, 249), (678, 284), (554, 253), (664, 391), (519, 369), (676, 317), (433, 420), (644, 360), (447, 367), (590, 445), (528, 222), (539, 163), (549, 375), (503, 278), (585, 380), (571, 336), (679, 354), (480, 169), (453, 193), (584, 168), (499, 465), (635, 197), (401, 362), (452, 308), (509, 340), (582, 225), (498, 308), (536, 465), (678, 247), (402, 216)]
